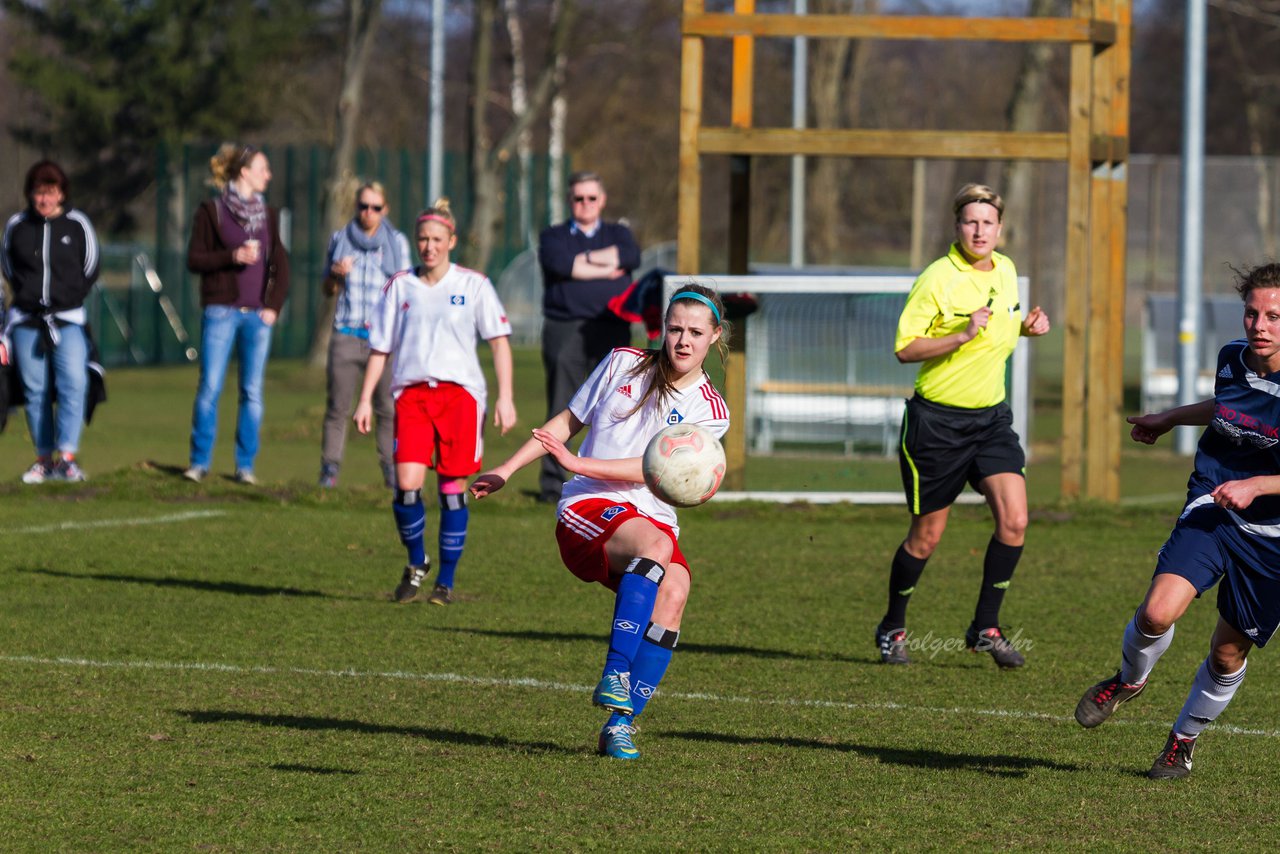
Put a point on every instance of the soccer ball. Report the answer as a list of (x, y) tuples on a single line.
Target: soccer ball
[(683, 465)]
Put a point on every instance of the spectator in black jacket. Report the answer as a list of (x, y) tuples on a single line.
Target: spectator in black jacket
[(50, 257), (585, 263)]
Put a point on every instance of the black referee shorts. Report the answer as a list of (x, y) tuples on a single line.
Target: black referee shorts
[(942, 448)]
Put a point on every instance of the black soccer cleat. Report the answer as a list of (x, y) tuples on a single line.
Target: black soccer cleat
[(992, 640), (892, 644), (1101, 701), (1175, 760), (441, 595), (411, 581)]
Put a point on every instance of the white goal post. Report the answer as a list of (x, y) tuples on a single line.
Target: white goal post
[(822, 371)]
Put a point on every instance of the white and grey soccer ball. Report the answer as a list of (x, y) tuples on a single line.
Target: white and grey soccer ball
[(684, 465)]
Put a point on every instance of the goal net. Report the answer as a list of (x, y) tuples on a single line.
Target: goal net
[(820, 371)]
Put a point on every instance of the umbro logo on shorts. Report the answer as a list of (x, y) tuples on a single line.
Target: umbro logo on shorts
[(458, 299), (627, 626)]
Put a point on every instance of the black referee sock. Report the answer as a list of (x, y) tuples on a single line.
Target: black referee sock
[(903, 576), (997, 571)]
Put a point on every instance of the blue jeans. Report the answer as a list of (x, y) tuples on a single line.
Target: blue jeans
[(224, 327), (70, 374)]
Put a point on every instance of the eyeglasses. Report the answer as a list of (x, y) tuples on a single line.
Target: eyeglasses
[(368, 207), (577, 200)]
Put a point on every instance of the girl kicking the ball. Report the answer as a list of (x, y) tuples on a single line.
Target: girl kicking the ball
[(611, 529)]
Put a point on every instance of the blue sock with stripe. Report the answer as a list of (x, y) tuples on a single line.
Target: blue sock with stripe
[(411, 523), (650, 664), (453, 535), (632, 608)]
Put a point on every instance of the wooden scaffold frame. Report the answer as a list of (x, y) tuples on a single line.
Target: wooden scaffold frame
[(1095, 147)]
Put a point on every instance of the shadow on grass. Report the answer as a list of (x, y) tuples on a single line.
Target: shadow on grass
[(997, 765), (235, 588), (696, 648), (311, 769), (309, 723)]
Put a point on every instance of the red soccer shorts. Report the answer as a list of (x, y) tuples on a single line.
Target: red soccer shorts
[(585, 526), (440, 426)]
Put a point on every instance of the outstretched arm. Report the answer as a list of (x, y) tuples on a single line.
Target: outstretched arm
[(1148, 428), (564, 426)]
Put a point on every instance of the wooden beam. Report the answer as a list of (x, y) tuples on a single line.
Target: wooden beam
[(1098, 375), (1116, 295), (689, 193), (1074, 30), (1076, 266), (972, 145), (740, 102)]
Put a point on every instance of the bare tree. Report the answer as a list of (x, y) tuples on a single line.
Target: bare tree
[(1025, 115), (362, 18), (520, 106), (488, 157), (555, 132)]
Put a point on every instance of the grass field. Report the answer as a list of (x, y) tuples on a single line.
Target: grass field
[(217, 668)]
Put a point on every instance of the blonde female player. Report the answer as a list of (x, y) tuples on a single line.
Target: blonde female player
[(429, 319), (611, 529)]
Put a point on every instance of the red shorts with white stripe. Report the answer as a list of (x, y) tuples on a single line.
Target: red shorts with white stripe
[(440, 426), (585, 526)]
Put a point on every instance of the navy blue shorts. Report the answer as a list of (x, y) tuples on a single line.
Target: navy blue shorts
[(1206, 546)]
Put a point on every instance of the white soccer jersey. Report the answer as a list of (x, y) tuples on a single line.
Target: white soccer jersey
[(431, 331), (605, 402)]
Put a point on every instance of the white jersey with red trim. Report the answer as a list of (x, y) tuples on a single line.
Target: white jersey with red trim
[(605, 402), (431, 331)]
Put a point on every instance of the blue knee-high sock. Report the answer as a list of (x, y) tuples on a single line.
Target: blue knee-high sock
[(650, 664), (637, 591), (453, 535), (411, 522)]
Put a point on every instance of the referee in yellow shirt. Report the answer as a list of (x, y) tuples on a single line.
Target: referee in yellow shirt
[(961, 321)]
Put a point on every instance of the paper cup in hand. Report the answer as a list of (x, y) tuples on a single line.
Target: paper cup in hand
[(253, 245)]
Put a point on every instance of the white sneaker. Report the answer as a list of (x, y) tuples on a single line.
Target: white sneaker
[(40, 471), (246, 477), (195, 474), (70, 471)]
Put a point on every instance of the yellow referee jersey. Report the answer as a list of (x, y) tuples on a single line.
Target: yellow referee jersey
[(940, 302)]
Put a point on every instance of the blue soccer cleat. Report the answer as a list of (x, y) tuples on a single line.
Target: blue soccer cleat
[(614, 693), (616, 743)]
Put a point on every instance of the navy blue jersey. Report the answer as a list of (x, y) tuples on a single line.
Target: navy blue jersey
[(1242, 441)]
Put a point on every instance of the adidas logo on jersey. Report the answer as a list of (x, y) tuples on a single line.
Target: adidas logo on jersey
[(625, 391), (1225, 373)]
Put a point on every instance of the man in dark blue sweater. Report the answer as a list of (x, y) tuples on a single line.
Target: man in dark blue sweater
[(585, 263)]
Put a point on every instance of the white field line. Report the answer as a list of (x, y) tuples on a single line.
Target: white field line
[(564, 687), (116, 523)]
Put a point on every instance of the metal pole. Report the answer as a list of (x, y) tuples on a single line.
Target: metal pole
[(435, 131), (799, 105), (1191, 250)]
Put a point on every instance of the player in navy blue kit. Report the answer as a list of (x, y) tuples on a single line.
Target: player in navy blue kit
[(1229, 531)]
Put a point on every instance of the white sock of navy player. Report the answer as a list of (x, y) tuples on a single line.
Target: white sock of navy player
[(1210, 694), (1141, 651)]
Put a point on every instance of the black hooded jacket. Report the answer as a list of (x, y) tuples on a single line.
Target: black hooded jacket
[(50, 263)]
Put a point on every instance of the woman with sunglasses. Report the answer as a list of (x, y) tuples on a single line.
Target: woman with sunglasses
[(610, 528), (961, 322), (362, 257)]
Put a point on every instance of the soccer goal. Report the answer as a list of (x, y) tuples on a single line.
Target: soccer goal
[(820, 371)]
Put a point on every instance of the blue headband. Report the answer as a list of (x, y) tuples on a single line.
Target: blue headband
[(715, 312)]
